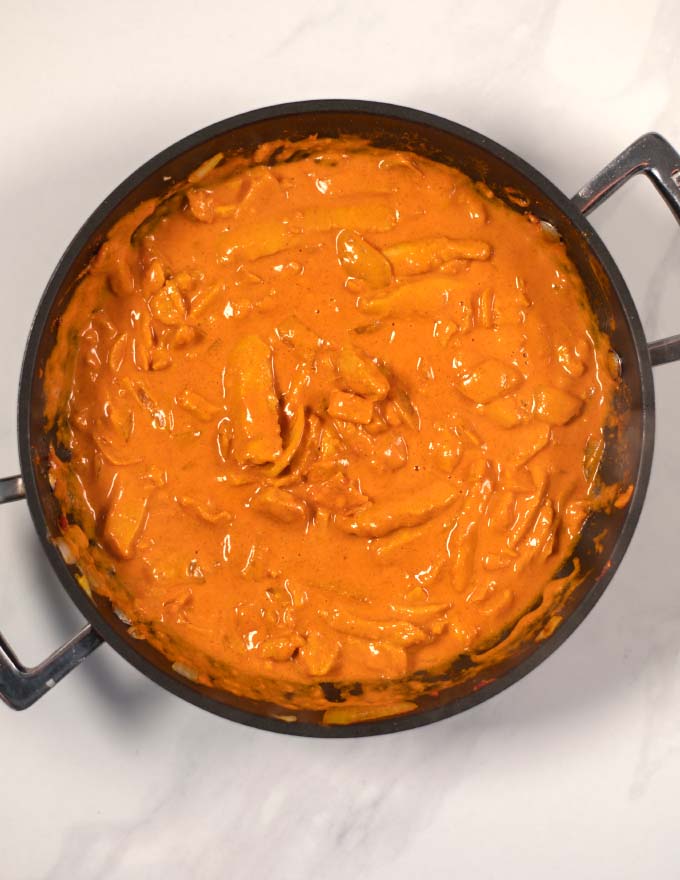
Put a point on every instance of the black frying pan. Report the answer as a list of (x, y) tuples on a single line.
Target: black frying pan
[(628, 454)]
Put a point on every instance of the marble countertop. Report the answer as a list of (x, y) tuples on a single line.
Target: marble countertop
[(574, 771)]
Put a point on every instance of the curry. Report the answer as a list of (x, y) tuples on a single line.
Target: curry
[(327, 413)]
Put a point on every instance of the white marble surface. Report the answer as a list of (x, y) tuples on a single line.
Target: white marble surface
[(573, 772)]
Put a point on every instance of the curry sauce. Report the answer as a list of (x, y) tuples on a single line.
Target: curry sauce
[(329, 413)]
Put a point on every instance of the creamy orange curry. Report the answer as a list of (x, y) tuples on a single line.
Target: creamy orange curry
[(330, 413)]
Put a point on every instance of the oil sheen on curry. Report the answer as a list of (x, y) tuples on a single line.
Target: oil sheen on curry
[(331, 413)]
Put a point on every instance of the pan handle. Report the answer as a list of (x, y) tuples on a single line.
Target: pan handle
[(21, 687), (654, 156)]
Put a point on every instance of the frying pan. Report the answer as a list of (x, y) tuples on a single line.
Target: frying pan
[(628, 452)]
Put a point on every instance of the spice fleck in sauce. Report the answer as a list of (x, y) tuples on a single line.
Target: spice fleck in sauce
[(333, 415)]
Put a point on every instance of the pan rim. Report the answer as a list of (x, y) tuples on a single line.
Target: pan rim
[(40, 322)]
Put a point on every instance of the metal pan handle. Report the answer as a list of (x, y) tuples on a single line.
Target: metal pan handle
[(654, 156), (20, 687)]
